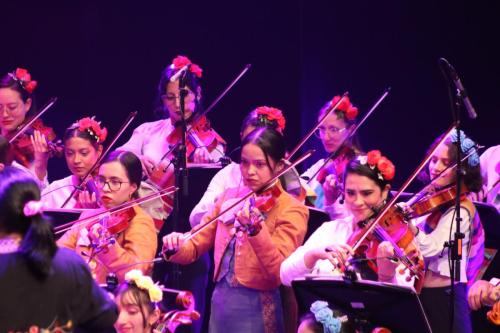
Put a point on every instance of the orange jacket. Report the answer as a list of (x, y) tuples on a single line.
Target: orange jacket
[(134, 245), (258, 258)]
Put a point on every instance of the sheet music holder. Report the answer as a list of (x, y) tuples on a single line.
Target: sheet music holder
[(397, 308), (59, 216), (316, 218)]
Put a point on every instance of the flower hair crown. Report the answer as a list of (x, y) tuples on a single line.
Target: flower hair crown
[(345, 108), (467, 146), (271, 116), (23, 77), (93, 127), (324, 315), (384, 167), (145, 283), (181, 61)]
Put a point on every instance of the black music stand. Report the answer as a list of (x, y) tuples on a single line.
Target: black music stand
[(60, 216), (365, 302)]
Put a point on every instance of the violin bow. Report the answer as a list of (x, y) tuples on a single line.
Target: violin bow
[(419, 195), (211, 106), (120, 208), (127, 122), (192, 233), (410, 179), (23, 129), (352, 131), (318, 124)]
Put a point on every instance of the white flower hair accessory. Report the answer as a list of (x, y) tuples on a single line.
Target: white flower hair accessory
[(145, 283)]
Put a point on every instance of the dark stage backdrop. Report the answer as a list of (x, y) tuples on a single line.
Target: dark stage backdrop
[(105, 58)]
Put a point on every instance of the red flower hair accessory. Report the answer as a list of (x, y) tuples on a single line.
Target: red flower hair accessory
[(268, 114), (23, 77), (181, 61), (345, 109), (92, 127), (385, 169)]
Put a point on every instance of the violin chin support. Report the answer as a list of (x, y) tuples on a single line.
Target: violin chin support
[(350, 275)]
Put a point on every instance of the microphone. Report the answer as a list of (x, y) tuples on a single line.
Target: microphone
[(176, 76), (460, 87)]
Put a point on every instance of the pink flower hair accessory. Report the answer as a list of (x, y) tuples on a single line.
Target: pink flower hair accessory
[(93, 127), (384, 167), (23, 77), (181, 61), (345, 109), (268, 114)]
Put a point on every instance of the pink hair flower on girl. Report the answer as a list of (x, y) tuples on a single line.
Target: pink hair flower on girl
[(93, 128), (272, 114), (22, 76), (345, 108), (181, 61)]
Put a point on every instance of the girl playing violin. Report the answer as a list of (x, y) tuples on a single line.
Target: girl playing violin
[(137, 298), (366, 187), (152, 141), (230, 176), (435, 229), (30, 152), (332, 133), (135, 242), (246, 296), (82, 147), (41, 285)]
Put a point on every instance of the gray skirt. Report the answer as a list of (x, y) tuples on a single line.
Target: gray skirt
[(241, 309)]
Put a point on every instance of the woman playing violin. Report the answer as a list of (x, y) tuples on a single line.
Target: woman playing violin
[(152, 141), (42, 285), (230, 176), (436, 228), (82, 147), (246, 296), (332, 133), (134, 241), (30, 152), (366, 187)]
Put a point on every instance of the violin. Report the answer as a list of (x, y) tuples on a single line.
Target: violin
[(119, 210), (493, 315), (392, 227), (200, 134), (431, 202), (113, 225), (233, 206), (22, 148)]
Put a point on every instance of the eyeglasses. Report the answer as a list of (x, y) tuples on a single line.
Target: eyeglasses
[(10, 108), (113, 184), (321, 131)]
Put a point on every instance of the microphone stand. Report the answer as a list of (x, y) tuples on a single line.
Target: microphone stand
[(180, 173), (455, 244)]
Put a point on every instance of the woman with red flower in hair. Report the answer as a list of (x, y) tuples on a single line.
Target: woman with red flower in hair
[(366, 186), (326, 180), (153, 141), (83, 145), (230, 176), (30, 152)]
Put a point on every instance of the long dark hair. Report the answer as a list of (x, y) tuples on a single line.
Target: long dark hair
[(471, 178), (130, 162), (38, 245), (269, 141)]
